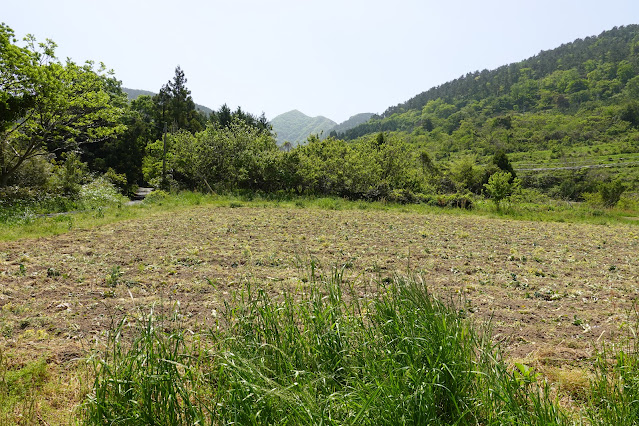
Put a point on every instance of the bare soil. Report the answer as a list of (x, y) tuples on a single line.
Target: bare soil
[(551, 290)]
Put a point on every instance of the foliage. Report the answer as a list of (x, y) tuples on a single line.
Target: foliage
[(52, 106), (401, 356), (68, 177), (611, 192), (100, 193), (539, 120), (501, 186)]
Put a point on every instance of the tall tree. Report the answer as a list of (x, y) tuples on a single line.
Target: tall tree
[(176, 107), (49, 106)]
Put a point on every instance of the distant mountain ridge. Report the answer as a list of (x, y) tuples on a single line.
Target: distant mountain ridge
[(134, 93), (354, 121), (295, 126)]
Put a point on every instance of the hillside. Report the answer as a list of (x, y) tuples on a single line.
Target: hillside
[(134, 93), (295, 126), (573, 94), (352, 122)]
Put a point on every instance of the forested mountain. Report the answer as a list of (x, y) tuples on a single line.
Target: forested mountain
[(295, 126), (354, 121), (592, 80), (133, 94)]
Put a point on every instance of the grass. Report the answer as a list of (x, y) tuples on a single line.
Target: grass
[(394, 355), (26, 224)]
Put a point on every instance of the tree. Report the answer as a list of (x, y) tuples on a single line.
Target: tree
[(500, 159), (500, 187), (48, 106), (176, 107)]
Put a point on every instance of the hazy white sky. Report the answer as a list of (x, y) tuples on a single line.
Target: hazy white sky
[(334, 58)]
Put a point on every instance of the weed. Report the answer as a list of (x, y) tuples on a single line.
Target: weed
[(113, 279), (398, 357)]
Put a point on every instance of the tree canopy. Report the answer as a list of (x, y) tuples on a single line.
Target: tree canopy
[(49, 106)]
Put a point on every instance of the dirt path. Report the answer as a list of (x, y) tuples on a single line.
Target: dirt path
[(139, 196)]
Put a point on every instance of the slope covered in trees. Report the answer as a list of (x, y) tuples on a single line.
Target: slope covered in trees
[(595, 77), (295, 126)]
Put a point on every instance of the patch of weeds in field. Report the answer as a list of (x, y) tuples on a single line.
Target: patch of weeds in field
[(547, 294), (614, 388), (113, 278), (324, 357), (18, 389), (53, 273), (151, 379)]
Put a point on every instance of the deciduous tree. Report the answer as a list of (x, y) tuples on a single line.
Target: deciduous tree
[(49, 106)]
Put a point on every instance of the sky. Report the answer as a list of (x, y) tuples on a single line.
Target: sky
[(335, 58)]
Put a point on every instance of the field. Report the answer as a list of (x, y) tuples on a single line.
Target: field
[(553, 292)]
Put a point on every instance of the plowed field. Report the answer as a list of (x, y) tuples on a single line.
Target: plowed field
[(550, 289)]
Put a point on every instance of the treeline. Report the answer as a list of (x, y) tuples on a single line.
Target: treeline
[(379, 167), (65, 126)]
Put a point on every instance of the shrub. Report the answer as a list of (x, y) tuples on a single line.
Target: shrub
[(99, 193), (156, 196), (611, 192), (501, 186)]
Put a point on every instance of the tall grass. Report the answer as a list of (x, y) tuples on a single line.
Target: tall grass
[(615, 386), (326, 354)]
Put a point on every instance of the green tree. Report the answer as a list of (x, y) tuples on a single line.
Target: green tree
[(49, 106), (500, 186), (176, 107), (500, 159)]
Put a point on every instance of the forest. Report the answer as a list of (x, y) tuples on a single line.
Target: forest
[(563, 124)]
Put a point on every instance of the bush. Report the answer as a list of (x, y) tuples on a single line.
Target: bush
[(611, 192), (156, 197), (501, 186), (99, 193)]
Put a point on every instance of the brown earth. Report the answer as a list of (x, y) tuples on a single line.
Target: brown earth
[(551, 290)]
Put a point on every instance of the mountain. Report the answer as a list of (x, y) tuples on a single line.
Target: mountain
[(295, 126), (583, 91), (134, 93), (354, 121)]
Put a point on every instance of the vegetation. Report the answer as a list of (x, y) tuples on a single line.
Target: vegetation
[(329, 358), (196, 250), (563, 122), (332, 357), (294, 127), (524, 141)]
